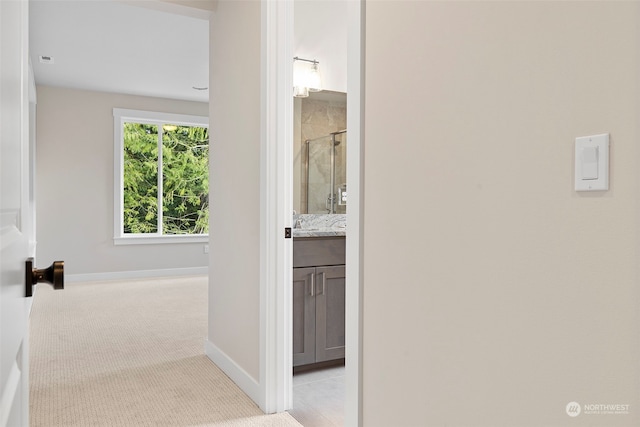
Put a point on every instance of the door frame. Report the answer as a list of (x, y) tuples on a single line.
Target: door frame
[(276, 340), (355, 223), (276, 206)]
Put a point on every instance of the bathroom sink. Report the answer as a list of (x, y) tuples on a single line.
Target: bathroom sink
[(318, 225)]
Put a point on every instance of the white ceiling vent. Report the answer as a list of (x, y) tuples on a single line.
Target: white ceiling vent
[(44, 59)]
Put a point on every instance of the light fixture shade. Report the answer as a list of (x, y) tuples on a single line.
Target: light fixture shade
[(300, 91), (314, 80), (306, 77), (300, 71)]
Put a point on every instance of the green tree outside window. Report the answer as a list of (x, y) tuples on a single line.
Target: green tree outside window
[(183, 207)]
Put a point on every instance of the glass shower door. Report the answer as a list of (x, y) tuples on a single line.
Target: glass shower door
[(319, 176), (327, 174), (340, 173)]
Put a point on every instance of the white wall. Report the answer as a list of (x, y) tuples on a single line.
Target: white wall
[(509, 295), (208, 5), (74, 178), (194, 8), (234, 274), (320, 32)]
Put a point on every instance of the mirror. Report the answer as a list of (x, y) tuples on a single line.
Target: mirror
[(319, 152)]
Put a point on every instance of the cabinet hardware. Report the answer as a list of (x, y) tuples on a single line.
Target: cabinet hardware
[(320, 292), (313, 283)]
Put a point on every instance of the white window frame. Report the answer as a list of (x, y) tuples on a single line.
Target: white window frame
[(120, 117)]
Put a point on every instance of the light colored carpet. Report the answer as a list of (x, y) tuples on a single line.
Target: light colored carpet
[(131, 354)]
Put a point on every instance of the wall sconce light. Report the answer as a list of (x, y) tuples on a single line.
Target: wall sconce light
[(306, 77)]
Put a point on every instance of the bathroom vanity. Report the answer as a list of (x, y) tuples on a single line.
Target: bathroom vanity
[(318, 295)]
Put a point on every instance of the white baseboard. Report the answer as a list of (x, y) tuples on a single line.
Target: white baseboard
[(138, 274), (238, 375)]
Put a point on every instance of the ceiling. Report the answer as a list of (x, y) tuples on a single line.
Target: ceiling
[(136, 48)]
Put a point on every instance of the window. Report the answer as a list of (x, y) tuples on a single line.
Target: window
[(161, 177)]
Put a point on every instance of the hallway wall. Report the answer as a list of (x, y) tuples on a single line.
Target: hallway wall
[(233, 340), (511, 295)]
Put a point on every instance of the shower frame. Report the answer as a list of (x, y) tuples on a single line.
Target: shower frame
[(332, 193)]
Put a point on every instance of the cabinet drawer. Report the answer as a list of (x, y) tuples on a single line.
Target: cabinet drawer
[(312, 251)]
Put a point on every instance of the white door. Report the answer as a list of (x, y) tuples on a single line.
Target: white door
[(15, 212)]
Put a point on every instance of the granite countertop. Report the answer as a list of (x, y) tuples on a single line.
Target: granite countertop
[(319, 225)]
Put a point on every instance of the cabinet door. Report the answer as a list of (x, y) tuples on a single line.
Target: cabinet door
[(304, 316), (330, 312)]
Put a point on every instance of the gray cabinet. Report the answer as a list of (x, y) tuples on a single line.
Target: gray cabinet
[(330, 312), (304, 317), (318, 304)]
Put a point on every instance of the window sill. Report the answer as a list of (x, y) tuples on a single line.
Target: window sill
[(160, 240)]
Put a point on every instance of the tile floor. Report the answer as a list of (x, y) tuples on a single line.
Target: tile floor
[(318, 397)]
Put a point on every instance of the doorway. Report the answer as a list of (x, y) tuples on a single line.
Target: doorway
[(320, 199), (352, 374)]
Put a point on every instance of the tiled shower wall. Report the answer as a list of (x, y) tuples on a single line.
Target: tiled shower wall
[(316, 116)]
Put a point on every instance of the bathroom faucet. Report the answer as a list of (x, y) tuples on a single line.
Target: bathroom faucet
[(298, 223)]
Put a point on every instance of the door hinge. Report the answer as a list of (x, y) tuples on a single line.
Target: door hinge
[(287, 232)]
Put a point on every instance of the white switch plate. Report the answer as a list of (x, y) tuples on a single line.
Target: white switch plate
[(592, 146)]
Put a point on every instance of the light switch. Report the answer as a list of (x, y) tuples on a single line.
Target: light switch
[(592, 163)]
